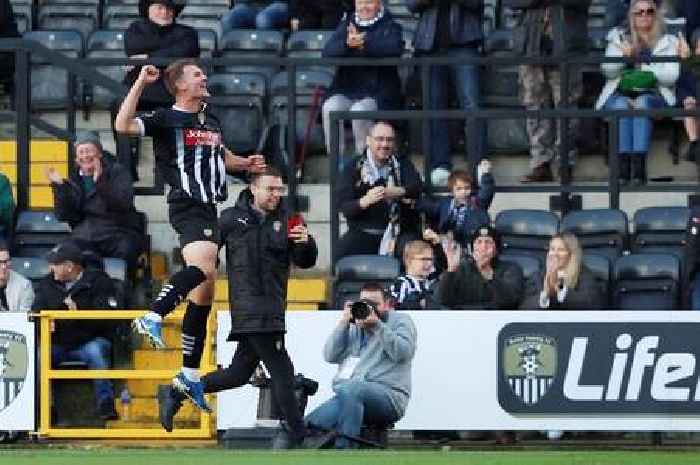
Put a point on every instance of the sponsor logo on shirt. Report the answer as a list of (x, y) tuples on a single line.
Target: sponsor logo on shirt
[(202, 137)]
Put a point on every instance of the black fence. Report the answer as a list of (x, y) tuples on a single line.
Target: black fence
[(84, 69)]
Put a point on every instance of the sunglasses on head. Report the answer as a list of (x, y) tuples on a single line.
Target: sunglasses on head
[(646, 12)]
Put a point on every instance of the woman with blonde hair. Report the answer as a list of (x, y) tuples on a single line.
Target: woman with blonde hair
[(637, 83), (566, 283)]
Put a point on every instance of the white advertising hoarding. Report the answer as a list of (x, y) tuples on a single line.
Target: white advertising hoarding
[(16, 372), (488, 370)]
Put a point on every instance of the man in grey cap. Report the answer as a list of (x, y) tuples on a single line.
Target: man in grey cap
[(97, 200), (69, 286), (480, 280)]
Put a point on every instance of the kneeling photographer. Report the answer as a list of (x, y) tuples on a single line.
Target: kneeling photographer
[(373, 346)]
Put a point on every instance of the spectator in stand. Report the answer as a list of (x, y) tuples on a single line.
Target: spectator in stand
[(451, 28), (317, 14), (692, 258), (7, 208), (97, 200), (156, 35), (549, 29), (376, 193), (370, 32), (461, 213), (374, 357), (480, 280), (8, 29), (254, 14), (413, 290), (69, 286), (687, 86), (637, 83), (16, 292), (566, 283)]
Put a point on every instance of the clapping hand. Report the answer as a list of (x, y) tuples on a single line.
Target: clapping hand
[(453, 252), (356, 39), (52, 175), (682, 47)]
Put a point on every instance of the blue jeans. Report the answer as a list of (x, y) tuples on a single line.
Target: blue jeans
[(243, 16), (466, 80), (355, 403), (635, 133), (95, 354)]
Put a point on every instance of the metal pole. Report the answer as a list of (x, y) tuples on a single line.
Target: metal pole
[(425, 125), (563, 123), (292, 135), (334, 172), (614, 162), (23, 97)]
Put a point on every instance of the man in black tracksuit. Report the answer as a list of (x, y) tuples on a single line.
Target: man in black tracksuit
[(259, 251)]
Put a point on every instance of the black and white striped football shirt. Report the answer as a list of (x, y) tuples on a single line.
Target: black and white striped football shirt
[(189, 153)]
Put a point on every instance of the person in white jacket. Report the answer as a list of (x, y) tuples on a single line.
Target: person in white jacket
[(643, 39), (16, 292)]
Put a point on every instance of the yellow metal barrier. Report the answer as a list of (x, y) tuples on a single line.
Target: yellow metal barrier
[(47, 374)]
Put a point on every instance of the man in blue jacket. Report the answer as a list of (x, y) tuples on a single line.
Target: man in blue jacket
[(374, 357), (369, 32), (451, 28)]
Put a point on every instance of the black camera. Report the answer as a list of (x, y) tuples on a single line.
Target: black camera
[(361, 309)]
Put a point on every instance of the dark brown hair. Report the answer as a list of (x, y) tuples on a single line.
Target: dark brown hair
[(459, 175), (268, 171), (175, 71)]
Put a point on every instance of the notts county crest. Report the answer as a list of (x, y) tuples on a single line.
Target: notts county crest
[(529, 366), (13, 366)]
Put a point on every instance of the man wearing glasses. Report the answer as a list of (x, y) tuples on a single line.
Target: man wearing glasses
[(376, 194), (16, 293)]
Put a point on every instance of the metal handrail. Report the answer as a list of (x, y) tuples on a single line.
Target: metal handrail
[(47, 374)]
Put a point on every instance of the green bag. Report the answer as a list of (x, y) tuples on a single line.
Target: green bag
[(636, 81)]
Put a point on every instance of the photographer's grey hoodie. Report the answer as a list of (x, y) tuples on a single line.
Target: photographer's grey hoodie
[(385, 357)]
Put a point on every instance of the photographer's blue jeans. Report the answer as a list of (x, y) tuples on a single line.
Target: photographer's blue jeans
[(466, 81), (243, 16), (355, 403), (635, 133), (95, 354)]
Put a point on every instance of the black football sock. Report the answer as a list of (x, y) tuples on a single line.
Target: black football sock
[(194, 331), (176, 289)]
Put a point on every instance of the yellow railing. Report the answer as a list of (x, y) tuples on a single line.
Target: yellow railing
[(47, 374)]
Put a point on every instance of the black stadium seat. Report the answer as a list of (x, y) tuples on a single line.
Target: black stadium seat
[(32, 268), (238, 101), (647, 282), (660, 230), (207, 42), (23, 15), (247, 43), (531, 266), (309, 44), (603, 231), (601, 267), (81, 17), (37, 232), (353, 271), (105, 44), (49, 84), (526, 232)]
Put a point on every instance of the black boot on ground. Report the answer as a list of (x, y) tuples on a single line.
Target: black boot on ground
[(624, 168), (639, 170)]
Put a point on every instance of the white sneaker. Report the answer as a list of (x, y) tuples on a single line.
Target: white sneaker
[(554, 434), (438, 177)]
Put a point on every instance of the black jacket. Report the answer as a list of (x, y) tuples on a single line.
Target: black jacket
[(350, 188), (258, 257), (174, 41), (466, 289), (465, 19), (690, 10), (587, 295), (567, 17), (93, 291), (383, 39), (105, 212)]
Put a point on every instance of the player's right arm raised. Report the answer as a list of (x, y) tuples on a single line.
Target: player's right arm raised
[(126, 123)]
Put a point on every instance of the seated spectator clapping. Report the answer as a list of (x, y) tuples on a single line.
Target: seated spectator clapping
[(376, 193), (481, 280), (370, 33), (466, 209), (638, 83), (97, 200), (566, 283)]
